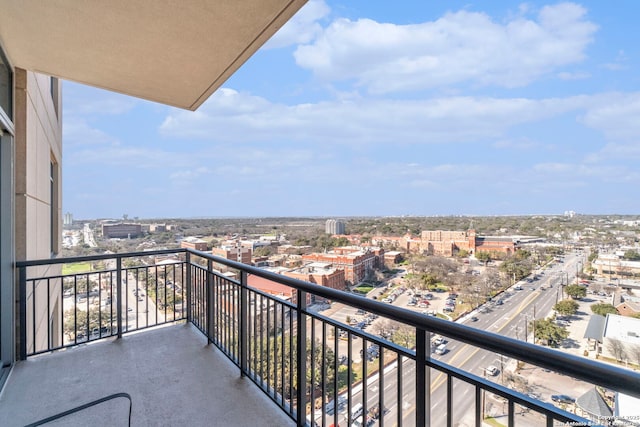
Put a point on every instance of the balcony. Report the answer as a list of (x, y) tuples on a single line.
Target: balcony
[(233, 355)]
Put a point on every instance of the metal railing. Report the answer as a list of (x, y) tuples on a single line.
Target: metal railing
[(83, 407), (315, 367), (65, 302)]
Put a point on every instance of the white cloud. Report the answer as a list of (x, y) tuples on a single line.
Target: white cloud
[(77, 132), (230, 116), (616, 116), (460, 47), (516, 144), (564, 75), (302, 28), (90, 101)]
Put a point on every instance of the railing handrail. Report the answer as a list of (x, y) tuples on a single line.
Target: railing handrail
[(619, 379), (83, 407), (70, 260), (622, 380)]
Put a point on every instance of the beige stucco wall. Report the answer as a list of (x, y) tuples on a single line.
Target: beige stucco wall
[(38, 141)]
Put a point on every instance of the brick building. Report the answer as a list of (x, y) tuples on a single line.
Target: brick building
[(448, 243), (355, 262), (406, 243), (235, 251), (505, 245), (193, 243), (321, 274)]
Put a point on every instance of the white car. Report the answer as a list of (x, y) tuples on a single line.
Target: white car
[(492, 370)]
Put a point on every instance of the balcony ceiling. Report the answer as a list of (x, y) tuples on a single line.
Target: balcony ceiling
[(173, 52)]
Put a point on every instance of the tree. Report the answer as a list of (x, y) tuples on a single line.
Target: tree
[(462, 253), (576, 291), (631, 255), (279, 347), (603, 309), (616, 347), (567, 307), (405, 335), (484, 257), (634, 353), (546, 330), (263, 251)]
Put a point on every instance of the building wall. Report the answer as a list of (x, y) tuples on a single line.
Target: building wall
[(238, 253), (355, 264), (334, 279), (446, 243), (496, 246), (38, 190), (195, 245), (334, 226), (121, 231)]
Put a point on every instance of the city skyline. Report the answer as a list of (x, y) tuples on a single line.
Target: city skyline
[(382, 110)]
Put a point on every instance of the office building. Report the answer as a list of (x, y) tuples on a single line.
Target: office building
[(334, 227)]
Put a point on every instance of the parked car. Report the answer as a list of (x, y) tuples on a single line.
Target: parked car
[(437, 340), (492, 370), (428, 296), (441, 349), (562, 398)]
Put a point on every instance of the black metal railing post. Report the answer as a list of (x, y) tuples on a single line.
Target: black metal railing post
[(421, 379), (209, 301), (119, 294), (301, 356), (244, 322), (188, 286), (23, 312)]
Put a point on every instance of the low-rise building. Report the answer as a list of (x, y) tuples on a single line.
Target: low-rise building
[(355, 262), (121, 231), (234, 250), (194, 243), (322, 274)]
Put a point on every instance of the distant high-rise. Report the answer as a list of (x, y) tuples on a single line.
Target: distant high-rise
[(334, 226), (68, 219)]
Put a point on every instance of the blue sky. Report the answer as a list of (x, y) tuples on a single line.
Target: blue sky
[(383, 108)]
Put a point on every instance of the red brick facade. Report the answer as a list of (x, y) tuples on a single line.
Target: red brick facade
[(355, 263)]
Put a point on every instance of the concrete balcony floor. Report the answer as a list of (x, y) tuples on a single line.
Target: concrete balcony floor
[(173, 376)]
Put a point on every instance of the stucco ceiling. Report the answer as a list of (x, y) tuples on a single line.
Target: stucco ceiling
[(177, 52)]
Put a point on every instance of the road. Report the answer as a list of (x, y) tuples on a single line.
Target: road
[(511, 318)]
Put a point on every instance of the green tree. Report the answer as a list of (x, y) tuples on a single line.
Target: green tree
[(263, 251), (277, 348), (603, 309), (547, 331), (567, 307), (484, 257), (405, 336), (576, 291), (631, 255)]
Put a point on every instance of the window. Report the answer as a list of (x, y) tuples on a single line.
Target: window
[(54, 93), (6, 86)]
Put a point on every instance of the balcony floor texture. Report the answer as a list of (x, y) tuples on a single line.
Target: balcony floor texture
[(173, 376)]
